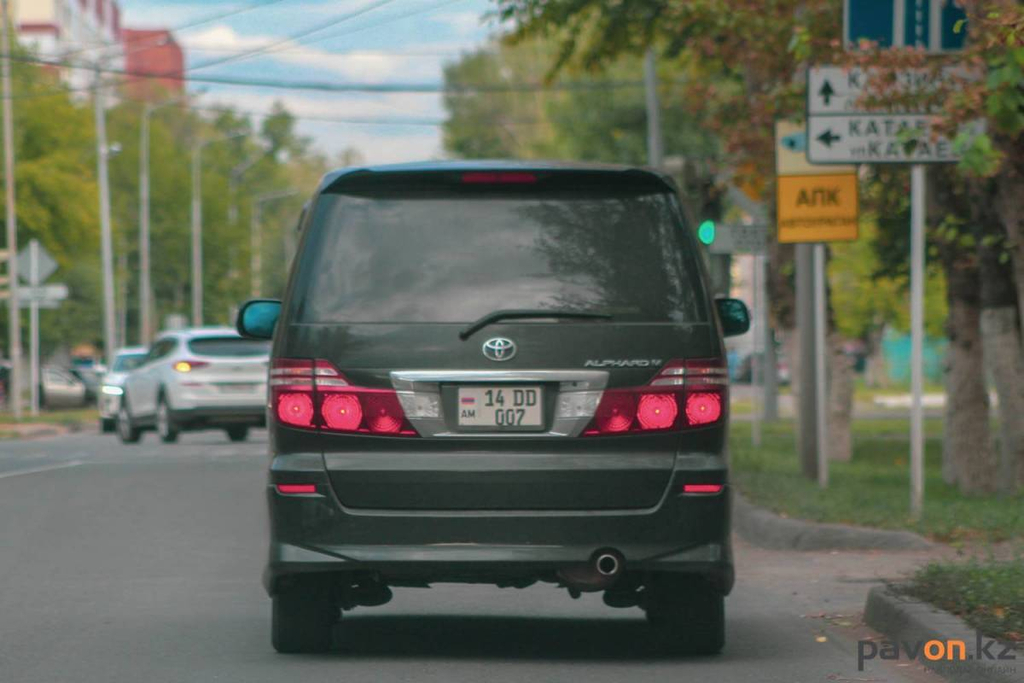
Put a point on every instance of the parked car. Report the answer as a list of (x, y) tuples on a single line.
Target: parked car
[(60, 388), (90, 373), (202, 378), (112, 384), (498, 373)]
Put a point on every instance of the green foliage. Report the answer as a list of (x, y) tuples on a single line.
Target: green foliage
[(873, 489), (987, 595), (57, 196)]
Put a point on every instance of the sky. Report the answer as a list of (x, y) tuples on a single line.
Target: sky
[(391, 41)]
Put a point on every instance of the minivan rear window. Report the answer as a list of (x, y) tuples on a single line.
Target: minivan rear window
[(229, 346), (457, 257)]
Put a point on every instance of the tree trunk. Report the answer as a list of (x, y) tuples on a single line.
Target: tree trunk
[(1000, 332), (1001, 341), (840, 401), (967, 451), (1009, 207)]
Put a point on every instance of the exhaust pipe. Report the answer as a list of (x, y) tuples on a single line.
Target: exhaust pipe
[(607, 564), (603, 569)]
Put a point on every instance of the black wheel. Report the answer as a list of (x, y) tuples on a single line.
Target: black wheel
[(108, 424), (303, 619), (238, 433), (127, 431), (689, 612), (165, 425)]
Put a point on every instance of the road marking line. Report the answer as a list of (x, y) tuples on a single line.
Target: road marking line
[(45, 468)]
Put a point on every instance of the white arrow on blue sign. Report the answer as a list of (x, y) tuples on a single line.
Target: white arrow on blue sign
[(930, 24)]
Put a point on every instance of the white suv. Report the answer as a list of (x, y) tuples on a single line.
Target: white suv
[(203, 378)]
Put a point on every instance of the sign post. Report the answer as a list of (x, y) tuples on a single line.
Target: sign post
[(35, 265), (816, 204), (33, 308), (840, 131)]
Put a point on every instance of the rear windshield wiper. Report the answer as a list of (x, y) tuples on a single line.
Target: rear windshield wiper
[(525, 313)]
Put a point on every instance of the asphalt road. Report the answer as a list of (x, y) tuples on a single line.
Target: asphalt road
[(142, 563)]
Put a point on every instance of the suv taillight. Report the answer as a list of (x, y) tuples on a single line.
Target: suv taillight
[(313, 395), (684, 394)]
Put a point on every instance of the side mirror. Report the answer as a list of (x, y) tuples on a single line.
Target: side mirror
[(257, 318), (734, 316)]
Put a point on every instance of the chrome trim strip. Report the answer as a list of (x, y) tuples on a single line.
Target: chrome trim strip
[(422, 382)]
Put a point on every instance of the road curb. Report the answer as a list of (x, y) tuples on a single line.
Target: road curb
[(904, 619), (766, 529)]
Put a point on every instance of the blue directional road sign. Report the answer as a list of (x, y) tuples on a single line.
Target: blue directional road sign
[(931, 24)]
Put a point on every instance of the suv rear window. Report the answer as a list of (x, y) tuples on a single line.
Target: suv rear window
[(229, 346), (455, 257)]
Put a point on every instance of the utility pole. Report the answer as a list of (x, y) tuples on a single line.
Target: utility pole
[(197, 237), (655, 143), (14, 316), (256, 237), (145, 272), (106, 244), (197, 225), (145, 293), (807, 423)]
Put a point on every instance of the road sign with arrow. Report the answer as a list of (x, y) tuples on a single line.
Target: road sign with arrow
[(843, 130)]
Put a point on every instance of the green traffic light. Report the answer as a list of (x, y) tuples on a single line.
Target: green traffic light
[(706, 232)]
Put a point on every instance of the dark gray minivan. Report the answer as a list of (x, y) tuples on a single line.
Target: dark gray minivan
[(501, 373)]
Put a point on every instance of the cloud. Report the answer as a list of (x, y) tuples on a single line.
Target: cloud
[(368, 66)]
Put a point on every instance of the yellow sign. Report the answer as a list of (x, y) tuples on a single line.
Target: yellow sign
[(791, 152), (817, 208)]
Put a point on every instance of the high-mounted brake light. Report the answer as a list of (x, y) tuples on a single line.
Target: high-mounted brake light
[(498, 178), (310, 394), (684, 394)]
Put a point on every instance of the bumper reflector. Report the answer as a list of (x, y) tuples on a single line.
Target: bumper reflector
[(294, 489), (703, 488)]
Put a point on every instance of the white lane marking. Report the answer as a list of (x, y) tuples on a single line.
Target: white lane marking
[(44, 468)]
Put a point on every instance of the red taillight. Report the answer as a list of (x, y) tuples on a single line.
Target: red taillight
[(342, 412), (683, 394), (295, 489), (703, 488), (615, 413), (314, 395), (295, 409), (499, 177), (703, 408), (657, 411)]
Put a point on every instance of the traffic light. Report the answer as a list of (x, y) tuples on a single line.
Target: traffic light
[(706, 232)]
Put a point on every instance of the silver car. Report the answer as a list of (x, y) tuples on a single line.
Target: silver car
[(112, 385), (202, 378)]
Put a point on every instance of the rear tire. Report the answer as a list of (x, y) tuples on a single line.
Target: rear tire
[(127, 431), (303, 619), (237, 433), (165, 426), (108, 424), (688, 611)]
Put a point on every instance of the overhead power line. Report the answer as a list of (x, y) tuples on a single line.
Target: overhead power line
[(334, 86), (295, 37)]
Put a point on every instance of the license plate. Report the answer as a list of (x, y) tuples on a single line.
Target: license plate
[(500, 407)]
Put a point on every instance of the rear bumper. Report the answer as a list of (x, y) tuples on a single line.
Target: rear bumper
[(315, 533), (219, 416)]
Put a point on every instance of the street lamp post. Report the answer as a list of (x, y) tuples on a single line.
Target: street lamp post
[(256, 236), (197, 226), (145, 278)]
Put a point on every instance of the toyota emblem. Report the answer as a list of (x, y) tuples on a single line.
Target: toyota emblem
[(499, 349)]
